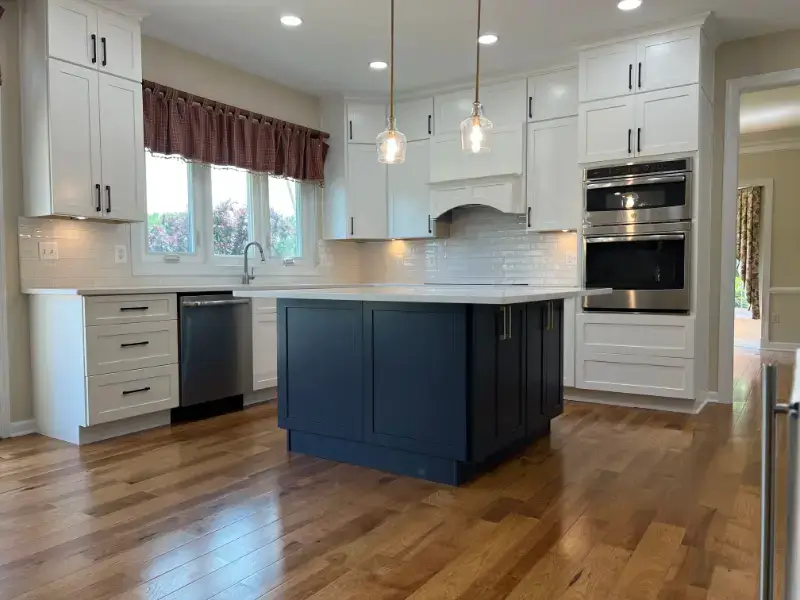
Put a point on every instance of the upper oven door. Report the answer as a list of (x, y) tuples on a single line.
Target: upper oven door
[(655, 199)]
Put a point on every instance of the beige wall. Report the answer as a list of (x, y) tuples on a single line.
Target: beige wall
[(784, 169), (754, 56), (168, 65)]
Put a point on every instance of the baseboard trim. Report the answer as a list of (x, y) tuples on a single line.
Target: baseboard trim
[(260, 396), (781, 347), (678, 405), (106, 431), (20, 428)]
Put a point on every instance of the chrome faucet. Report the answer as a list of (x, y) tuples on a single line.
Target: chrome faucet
[(250, 274)]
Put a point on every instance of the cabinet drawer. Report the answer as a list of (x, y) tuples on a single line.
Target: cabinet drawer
[(113, 348), (643, 335), (112, 310), (264, 306), (130, 394), (627, 374)]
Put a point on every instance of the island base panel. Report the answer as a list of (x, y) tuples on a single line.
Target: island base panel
[(401, 462)]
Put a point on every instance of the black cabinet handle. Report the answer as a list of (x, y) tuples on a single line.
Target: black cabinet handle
[(430, 124), (630, 77), (509, 312), (133, 308), (108, 195), (352, 225), (139, 391), (105, 52), (430, 226), (134, 344), (504, 335), (640, 75), (529, 216), (530, 107), (99, 206), (639, 139), (94, 48), (351, 130), (630, 134)]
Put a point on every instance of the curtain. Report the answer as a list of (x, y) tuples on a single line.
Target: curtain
[(748, 223), (177, 123)]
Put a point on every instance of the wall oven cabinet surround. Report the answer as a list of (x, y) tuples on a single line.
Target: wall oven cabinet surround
[(648, 266), (101, 359), (83, 126), (640, 193)]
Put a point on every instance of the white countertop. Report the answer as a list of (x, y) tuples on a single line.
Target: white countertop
[(445, 294), (170, 289)]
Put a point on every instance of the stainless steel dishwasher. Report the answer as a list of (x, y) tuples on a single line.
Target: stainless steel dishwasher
[(216, 357)]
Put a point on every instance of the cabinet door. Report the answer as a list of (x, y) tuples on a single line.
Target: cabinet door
[(534, 359), (504, 104), (74, 140), (409, 194), (120, 45), (265, 351), (554, 180), (122, 148), (366, 193), (451, 109), (607, 72), (553, 359), (365, 122), (70, 27), (415, 119), (605, 129), (553, 95), (667, 121), (668, 60)]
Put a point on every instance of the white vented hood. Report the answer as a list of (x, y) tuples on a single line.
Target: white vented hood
[(506, 194)]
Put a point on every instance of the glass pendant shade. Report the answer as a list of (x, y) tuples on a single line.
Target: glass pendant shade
[(391, 145), (476, 132)]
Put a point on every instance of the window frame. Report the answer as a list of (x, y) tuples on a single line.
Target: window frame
[(203, 262)]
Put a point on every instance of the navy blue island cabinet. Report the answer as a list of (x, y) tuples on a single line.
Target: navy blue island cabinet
[(436, 391)]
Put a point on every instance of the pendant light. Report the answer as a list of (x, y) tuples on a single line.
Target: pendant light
[(476, 130), (391, 143)]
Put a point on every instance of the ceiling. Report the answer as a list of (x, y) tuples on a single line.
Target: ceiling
[(435, 38), (770, 110)]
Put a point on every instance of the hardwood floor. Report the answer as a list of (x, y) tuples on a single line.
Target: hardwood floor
[(617, 504)]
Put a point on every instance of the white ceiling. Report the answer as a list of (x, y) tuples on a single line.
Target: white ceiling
[(435, 38), (770, 110)]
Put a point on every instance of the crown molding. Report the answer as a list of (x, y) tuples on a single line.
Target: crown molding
[(778, 145)]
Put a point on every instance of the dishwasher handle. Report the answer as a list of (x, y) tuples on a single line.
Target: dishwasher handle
[(195, 303)]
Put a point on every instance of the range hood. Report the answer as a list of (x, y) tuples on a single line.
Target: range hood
[(505, 194)]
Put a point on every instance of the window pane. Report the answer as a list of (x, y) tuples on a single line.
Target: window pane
[(284, 218), (230, 202), (169, 214)]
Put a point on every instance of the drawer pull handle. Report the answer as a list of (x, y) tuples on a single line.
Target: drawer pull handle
[(130, 308), (139, 391), (133, 344)]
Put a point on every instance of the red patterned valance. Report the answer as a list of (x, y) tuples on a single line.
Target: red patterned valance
[(198, 129)]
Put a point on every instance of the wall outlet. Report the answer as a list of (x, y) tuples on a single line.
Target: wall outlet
[(776, 318), (572, 259), (48, 251), (120, 253)]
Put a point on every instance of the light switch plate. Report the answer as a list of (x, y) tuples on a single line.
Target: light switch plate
[(48, 251), (120, 253), (572, 259)]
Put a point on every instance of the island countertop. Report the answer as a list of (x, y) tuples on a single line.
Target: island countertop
[(437, 294)]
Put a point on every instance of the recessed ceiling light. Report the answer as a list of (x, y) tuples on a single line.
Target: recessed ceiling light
[(377, 65), (487, 39), (291, 21), (629, 4)]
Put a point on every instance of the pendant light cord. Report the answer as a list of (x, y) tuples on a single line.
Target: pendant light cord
[(478, 65), (391, 73)]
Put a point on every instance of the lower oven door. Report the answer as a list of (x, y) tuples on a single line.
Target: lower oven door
[(647, 266)]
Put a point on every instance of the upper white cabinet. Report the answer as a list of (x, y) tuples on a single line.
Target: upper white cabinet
[(409, 194), (605, 129), (553, 95), (365, 122), (607, 71), (415, 119), (366, 193), (554, 179), (87, 35), (503, 104), (656, 62)]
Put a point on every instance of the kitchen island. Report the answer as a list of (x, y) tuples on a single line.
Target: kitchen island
[(435, 382)]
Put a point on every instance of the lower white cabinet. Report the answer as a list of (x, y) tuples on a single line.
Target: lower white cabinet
[(131, 393), (631, 374), (112, 348), (265, 344)]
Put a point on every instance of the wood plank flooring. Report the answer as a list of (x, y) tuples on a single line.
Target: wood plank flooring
[(617, 504)]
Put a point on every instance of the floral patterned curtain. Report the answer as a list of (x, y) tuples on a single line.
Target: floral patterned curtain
[(748, 221)]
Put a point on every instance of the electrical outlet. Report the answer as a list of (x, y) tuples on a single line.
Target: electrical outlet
[(572, 259), (776, 318), (120, 253), (48, 251)]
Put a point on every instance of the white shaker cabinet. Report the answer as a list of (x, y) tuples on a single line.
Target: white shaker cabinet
[(667, 121), (120, 45), (415, 119), (555, 197), (606, 128), (553, 95), (265, 344), (364, 122), (366, 193), (503, 104), (668, 60), (607, 71)]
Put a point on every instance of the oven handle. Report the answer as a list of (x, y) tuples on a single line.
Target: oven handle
[(634, 182), (666, 237)]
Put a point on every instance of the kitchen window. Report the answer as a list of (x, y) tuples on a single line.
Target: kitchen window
[(200, 218)]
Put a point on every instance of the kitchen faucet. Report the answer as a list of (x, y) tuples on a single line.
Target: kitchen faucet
[(249, 275)]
